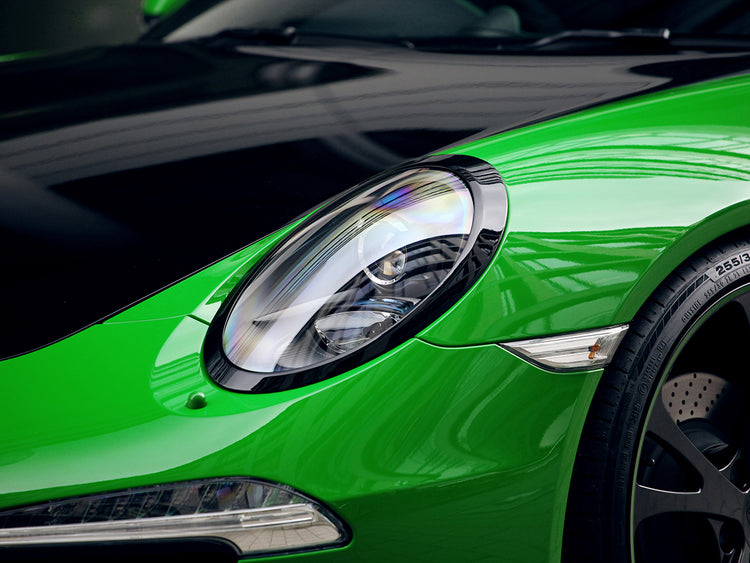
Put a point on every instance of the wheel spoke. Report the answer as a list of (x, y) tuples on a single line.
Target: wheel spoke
[(668, 434), (649, 502), (727, 469), (721, 555), (744, 302), (717, 496)]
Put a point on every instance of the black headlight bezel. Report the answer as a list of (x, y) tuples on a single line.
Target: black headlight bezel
[(490, 217)]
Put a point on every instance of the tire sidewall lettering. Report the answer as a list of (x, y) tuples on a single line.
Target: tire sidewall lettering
[(631, 384)]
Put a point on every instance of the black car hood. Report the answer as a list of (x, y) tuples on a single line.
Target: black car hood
[(125, 169)]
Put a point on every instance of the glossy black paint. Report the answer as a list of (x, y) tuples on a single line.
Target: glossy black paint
[(491, 210), (128, 168)]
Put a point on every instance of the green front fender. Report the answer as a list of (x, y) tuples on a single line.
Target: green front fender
[(422, 444), (161, 8), (603, 205), (447, 447)]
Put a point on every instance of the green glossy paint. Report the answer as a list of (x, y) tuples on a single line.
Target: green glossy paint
[(448, 435), (604, 204), (419, 444), (161, 8), (19, 56), (597, 261)]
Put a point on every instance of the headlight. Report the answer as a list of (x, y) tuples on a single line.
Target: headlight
[(368, 271)]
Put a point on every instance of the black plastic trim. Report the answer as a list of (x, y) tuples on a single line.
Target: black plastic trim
[(193, 550), (490, 217)]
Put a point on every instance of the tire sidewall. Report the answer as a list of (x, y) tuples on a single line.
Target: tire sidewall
[(654, 338)]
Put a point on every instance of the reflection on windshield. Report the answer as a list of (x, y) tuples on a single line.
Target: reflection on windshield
[(421, 19)]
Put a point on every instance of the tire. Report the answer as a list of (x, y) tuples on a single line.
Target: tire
[(663, 465)]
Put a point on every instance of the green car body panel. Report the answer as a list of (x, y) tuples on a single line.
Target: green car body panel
[(583, 250), (473, 460), (19, 56), (161, 8)]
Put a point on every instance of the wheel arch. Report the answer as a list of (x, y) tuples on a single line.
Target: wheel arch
[(604, 204), (724, 224), (687, 289)]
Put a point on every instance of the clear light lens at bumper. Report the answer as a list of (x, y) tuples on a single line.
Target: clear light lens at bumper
[(571, 352), (249, 514), (352, 274)]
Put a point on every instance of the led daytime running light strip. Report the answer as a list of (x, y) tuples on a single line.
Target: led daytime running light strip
[(249, 529), (219, 524)]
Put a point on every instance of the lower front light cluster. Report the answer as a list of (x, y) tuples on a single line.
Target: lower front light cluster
[(252, 515)]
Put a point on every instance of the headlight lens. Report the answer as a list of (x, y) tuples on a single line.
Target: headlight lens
[(354, 274)]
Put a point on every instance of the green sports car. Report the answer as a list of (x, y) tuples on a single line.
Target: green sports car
[(394, 280)]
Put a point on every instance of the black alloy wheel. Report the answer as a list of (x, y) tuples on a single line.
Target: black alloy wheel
[(663, 467)]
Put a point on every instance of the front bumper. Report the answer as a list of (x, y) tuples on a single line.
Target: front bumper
[(427, 453)]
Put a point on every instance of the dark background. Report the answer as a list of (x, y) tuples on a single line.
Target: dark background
[(59, 25)]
